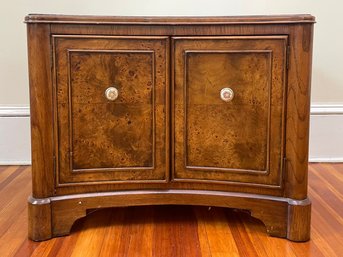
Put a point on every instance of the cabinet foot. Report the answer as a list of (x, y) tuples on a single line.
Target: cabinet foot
[(46, 220), (299, 220), (39, 219), (293, 223), (65, 213)]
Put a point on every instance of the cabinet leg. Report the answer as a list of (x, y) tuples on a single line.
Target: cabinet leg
[(63, 218), (283, 217), (274, 218), (45, 222), (39, 219), (291, 221), (299, 220)]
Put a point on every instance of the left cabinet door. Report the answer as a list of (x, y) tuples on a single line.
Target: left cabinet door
[(110, 109)]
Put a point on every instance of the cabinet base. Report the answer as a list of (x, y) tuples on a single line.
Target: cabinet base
[(283, 217)]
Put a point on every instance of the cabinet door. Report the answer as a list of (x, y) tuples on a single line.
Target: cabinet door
[(228, 100), (110, 108)]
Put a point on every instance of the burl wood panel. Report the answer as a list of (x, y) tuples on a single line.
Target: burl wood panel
[(107, 140), (217, 140), (215, 126), (112, 134)]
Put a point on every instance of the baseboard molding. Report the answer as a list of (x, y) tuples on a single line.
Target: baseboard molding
[(15, 162), (326, 109), (15, 135), (14, 111), (331, 160), (326, 140)]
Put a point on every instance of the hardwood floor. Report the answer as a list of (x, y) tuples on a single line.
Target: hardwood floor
[(173, 231)]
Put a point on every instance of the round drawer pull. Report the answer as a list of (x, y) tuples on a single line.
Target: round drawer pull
[(227, 94), (111, 93)]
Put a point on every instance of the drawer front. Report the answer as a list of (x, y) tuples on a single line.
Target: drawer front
[(110, 108), (229, 109)]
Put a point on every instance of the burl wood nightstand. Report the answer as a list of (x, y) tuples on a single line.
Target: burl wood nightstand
[(151, 110)]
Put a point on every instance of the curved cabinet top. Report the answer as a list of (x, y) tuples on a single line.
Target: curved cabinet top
[(176, 20)]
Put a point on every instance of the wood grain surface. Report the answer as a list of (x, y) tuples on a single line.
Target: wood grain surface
[(89, 19), (108, 134), (41, 105), (298, 29), (173, 231), (82, 143), (98, 139), (240, 140)]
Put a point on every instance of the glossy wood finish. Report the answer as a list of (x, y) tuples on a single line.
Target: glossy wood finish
[(75, 168), (212, 141), (173, 230), (41, 105), (298, 109), (257, 19), (40, 216), (102, 140), (284, 218)]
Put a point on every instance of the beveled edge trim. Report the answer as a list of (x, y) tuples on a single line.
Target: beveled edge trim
[(234, 37), (228, 182), (70, 109), (168, 20), (304, 202), (180, 192), (39, 201), (121, 37), (111, 182)]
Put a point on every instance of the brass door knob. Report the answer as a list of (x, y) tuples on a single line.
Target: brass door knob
[(227, 94), (111, 93)]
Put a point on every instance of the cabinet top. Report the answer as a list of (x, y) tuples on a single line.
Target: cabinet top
[(176, 20)]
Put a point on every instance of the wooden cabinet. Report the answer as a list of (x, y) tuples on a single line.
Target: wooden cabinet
[(151, 110)]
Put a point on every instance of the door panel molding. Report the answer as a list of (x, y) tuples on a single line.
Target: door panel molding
[(274, 48), (76, 98)]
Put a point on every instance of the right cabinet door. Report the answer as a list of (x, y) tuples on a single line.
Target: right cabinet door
[(228, 109)]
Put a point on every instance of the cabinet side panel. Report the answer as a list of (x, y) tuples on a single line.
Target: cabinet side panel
[(298, 109), (41, 109)]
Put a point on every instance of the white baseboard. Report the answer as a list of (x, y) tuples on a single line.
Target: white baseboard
[(15, 146), (326, 135), (333, 160)]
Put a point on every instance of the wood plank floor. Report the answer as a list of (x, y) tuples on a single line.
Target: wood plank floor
[(173, 231)]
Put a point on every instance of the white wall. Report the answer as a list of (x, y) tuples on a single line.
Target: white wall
[(327, 86), (327, 62)]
